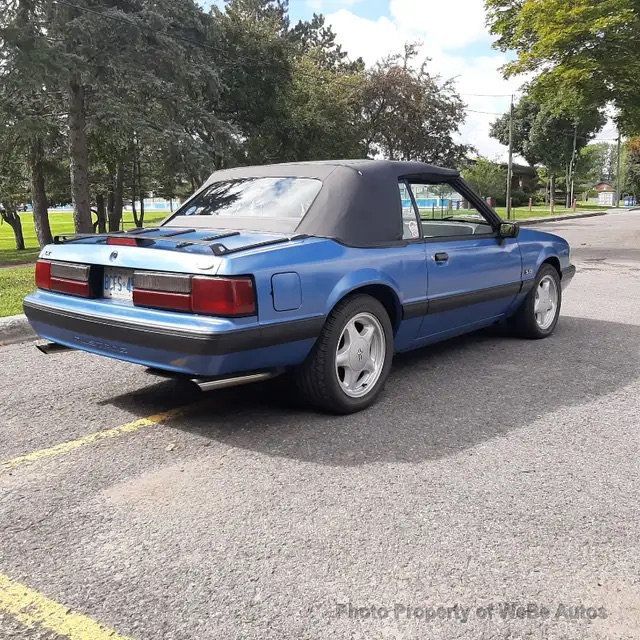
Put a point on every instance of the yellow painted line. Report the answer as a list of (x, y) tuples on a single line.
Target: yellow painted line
[(71, 445), (33, 609)]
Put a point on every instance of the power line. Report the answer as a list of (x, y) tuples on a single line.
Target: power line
[(486, 113), (487, 95)]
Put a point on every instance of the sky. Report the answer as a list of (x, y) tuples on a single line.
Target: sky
[(453, 35)]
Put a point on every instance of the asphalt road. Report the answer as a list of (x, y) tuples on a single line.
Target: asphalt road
[(493, 470)]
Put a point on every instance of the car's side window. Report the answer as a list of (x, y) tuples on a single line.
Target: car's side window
[(410, 229), (445, 212)]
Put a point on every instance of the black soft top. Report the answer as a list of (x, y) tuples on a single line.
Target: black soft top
[(359, 202)]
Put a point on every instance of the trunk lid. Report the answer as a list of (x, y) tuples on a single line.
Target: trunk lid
[(181, 250)]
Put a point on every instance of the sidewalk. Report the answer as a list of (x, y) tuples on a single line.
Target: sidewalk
[(568, 216), (575, 216)]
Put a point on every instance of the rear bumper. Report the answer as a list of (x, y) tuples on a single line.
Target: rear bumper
[(185, 349), (567, 275)]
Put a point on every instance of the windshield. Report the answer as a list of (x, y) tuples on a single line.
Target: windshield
[(255, 198)]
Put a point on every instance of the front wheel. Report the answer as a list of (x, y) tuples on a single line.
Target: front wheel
[(538, 315), (351, 359)]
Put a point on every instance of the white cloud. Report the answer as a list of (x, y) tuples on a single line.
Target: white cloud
[(448, 24), (445, 30)]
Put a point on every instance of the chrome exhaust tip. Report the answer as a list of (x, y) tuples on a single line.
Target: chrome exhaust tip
[(210, 384), (235, 381)]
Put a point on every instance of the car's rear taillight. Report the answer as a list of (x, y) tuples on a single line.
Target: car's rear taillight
[(43, 274), (64, 277), (229, 297), (223, 296)]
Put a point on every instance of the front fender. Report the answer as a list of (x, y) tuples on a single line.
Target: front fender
[(537, 247)]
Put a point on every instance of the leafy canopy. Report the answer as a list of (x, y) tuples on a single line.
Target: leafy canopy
[(584, 52)]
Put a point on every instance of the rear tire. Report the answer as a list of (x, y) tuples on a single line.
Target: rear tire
[(538, 315), (350, 362)]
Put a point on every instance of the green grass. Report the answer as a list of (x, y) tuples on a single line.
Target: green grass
[(61, 222), (15, 283), (542, 211), (520, 213)]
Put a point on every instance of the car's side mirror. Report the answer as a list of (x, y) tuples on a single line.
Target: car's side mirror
[(509, 230)]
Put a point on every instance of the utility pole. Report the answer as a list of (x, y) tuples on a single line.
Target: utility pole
[(573, 164), (618, 171), (510, 163)]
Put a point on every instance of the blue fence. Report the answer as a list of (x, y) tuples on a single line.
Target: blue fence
[(433, 203)]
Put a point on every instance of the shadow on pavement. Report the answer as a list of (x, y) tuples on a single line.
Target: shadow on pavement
[(438, 401)]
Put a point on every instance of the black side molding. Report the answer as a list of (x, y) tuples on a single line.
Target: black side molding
[(448, 303)]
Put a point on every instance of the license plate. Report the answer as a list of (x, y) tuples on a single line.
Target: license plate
[(118, 284)]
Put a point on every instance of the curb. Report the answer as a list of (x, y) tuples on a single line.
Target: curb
[(14, 329), (531, 221)]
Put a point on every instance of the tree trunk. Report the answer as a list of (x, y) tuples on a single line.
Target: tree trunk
[(39, 194), (114, 201), (552, 192), (110, 201), (141, 193), (134, 179), (13, 220), (141, 209), (568, 182), (79, 157), (115, 223), (101, 213), (134, 197)]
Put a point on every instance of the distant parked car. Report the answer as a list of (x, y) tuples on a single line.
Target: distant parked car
[(324, 269)]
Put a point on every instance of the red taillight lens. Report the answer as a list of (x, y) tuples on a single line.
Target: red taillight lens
[(43, 274), (198, 294), (162, 300), (72, 287), (64, 277), (122, 241), (223, 296)]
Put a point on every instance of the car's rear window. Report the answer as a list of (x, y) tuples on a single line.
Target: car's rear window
[(255, 198)]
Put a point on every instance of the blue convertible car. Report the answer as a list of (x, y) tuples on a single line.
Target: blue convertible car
[(324, 269)]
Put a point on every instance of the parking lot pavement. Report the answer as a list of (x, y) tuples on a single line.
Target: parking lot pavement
[(493, 470)]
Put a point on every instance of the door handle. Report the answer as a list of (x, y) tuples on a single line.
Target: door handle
[(441, 256)]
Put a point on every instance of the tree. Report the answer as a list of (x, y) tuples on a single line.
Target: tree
[(593, 165), (322, 115), (410, 114), (544, 135), (134, 73), (256, 56), (14, 189), (557, 140), (584, 52), (524, 116), (27, 100), (488, 178), (633, 166)]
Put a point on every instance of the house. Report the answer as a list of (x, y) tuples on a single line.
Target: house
[(604, 186), (523, 178), (606, 194)]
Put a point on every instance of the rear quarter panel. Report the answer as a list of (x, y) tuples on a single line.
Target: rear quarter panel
[(329, 271)]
